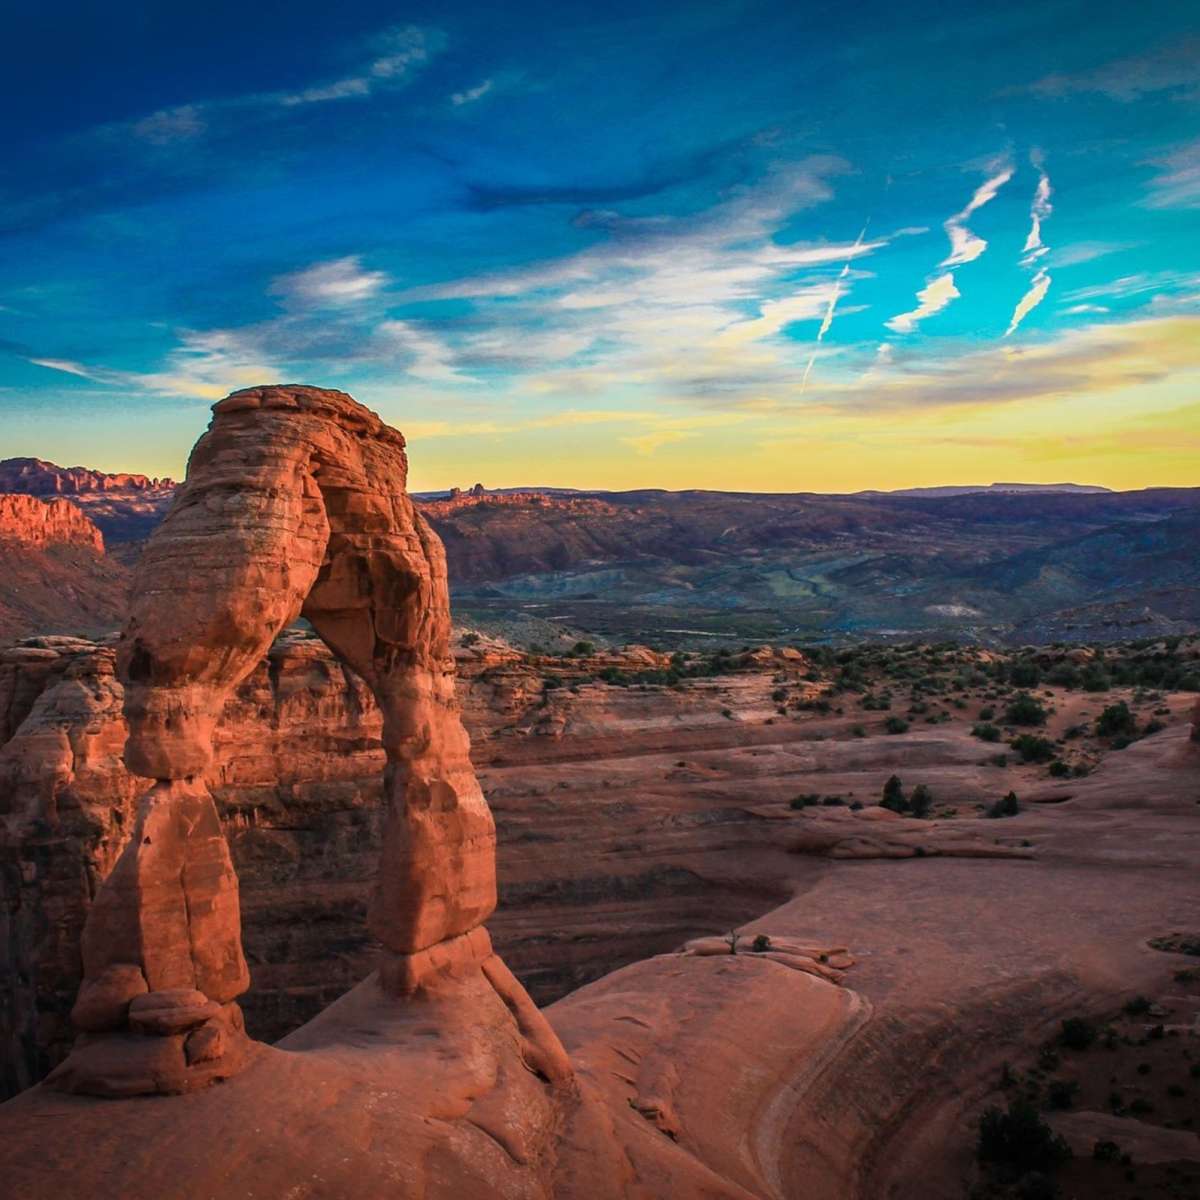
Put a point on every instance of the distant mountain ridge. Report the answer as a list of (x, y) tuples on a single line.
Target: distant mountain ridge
[(997, 563), (37, 477), (971, 489)]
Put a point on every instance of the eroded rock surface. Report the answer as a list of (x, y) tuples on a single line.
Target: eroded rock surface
[(294, 503)]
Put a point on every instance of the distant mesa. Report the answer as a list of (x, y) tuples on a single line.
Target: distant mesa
[(971, 489), (36, 477)]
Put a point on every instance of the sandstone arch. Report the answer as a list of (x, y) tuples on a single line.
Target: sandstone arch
[(294, 504)]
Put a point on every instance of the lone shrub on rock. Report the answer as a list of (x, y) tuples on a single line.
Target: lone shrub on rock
[(1116, 721), (921, 801), (1008, 807), (893, 795), (1025, 709)]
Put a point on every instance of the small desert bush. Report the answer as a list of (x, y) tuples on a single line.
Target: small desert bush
[(1033, 749), (1116, 721), (1007, 807), (1025, 709)]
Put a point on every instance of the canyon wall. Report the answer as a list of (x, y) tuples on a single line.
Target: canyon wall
[(54, 573), (30, 521), (297, 778)]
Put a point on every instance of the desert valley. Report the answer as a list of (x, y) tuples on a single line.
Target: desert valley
[(907, 910)]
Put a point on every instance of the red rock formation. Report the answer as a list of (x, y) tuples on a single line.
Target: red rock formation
[(54, 573), (36, 477), (33, 522), (294, 503)]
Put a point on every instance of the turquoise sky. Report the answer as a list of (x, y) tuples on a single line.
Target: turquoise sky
[(746, 245)]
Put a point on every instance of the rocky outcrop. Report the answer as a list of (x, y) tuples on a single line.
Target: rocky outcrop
[(36, 477), (29, 521), (459, 501), (294, 503)]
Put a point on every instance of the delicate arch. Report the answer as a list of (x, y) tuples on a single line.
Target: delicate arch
[(294, 504)]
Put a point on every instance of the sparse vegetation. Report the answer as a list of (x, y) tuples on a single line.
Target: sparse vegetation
[(1033, 749), (1025, 709), (1006, 807), (1116, 721)]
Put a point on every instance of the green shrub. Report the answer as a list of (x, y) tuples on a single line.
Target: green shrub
[(921, 801), (1025, 709), (986, 733), (1060, 769), (1062, 1093), (1116, 721), (896, 725), (761, 943), (805, 801), (893, 795), (1024, 675), (1008, 807), (1033, 749)]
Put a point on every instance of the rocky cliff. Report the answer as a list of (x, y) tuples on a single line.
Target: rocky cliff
[(29, 521), (54, 573)]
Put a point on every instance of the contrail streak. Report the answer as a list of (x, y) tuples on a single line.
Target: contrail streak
[(827, 321)]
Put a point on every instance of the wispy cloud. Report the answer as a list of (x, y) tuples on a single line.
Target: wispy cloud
[(64, 365), (1034, 248), (1126, 79), (1038, 288), (389, 60), (470, 95), (1094, 359), (1083, 252), (339, 282), (169, 125), (428, 358), (966, 246), (399, 52), (1140, 283), (1178, 185), (1039, 211), (932, 298)]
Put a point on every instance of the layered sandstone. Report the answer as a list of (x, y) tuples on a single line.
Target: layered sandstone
[(29, 521), (294, 503)]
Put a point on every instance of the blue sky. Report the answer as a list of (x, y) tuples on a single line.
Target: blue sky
[(736, 244)]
